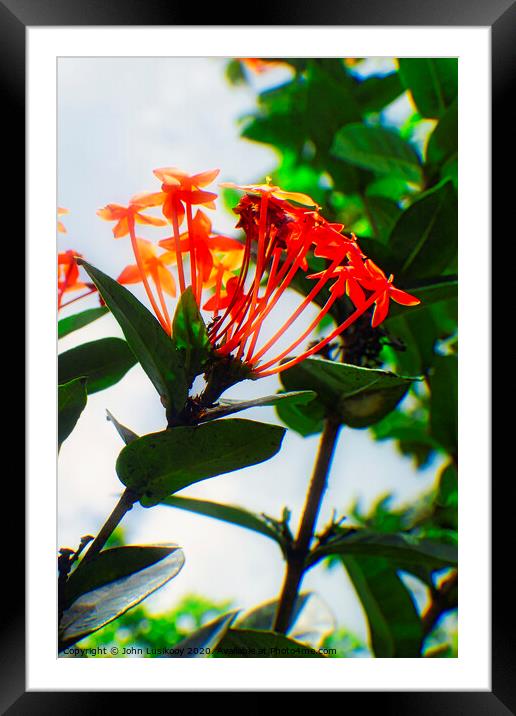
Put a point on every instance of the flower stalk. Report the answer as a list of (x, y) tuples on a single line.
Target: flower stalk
[(296, 557)]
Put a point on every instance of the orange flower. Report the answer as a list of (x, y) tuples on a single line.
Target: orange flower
[(376, 279), (259, 64), (60, 226), (68, 277), (123, 214)]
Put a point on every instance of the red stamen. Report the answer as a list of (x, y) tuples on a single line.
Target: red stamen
[(141, 268)]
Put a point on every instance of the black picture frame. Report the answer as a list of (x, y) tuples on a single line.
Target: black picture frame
[(500, 16)]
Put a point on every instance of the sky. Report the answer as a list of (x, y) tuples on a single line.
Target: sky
[(118, 119)]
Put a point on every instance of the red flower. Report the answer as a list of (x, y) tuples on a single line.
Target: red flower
[(68, 279)]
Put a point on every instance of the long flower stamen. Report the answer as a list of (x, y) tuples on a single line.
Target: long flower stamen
[(262, 370), (191, 243), (141, 268)]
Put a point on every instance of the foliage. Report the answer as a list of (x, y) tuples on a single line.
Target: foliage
[(378, 153)]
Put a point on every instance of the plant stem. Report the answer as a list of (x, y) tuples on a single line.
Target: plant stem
[(123, 506), (301, 547)]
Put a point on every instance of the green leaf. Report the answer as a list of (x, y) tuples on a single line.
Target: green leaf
[(190, 335), (229, 407), (433, 83), (443, 142), (205, 640), (226, 513), (358, 396), (101, 604), (159, 358), (424, 239), (79, 320), (330, 102), (160, 464), (126, 434), (111, 565), (304, 419), (403, 548), (444, 402), (379, 149), (383, 214), (103, 363), (310, 623), (395, 628), (72, 399), (447, 499), (247, 643), (375, 93)]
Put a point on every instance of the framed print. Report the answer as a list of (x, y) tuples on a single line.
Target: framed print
[(264, 267)]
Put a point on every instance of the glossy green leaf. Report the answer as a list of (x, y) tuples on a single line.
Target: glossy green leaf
[(403, 548), (395, 627), (111, 565), (226, 407), (379, 149), (446, 501), (432, 81), (444, 402), (205, 640), (103, 363), (160, 464), (189, 335), (159, 358), (101, 604), (358, 396), (248, 643), (79, 320), (424, 239), (443, 142), (72, 399), (226, 513)]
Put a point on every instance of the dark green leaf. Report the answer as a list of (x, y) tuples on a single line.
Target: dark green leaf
[(227, 513), (330, 102), (424, 239), (111, 565), (72, 399), (205, 640), (228, 407), (157, 354), (358, 396), (78, 320), (395, 627), (379, 149), (444, 401), (190, 336), (103, 363), (101, 604), (160, 464), (375, 93), (383, 214), (247, 643), (433, 82), (443, 142), (403, 548)]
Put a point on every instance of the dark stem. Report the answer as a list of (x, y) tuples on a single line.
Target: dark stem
[(123, 506), (297, 556)]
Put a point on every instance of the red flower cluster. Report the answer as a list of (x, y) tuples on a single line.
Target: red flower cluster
[(247, 280)]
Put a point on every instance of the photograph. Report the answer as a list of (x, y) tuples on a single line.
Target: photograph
[(257, 322)]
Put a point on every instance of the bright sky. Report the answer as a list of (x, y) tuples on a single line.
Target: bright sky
[(118, 120)]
